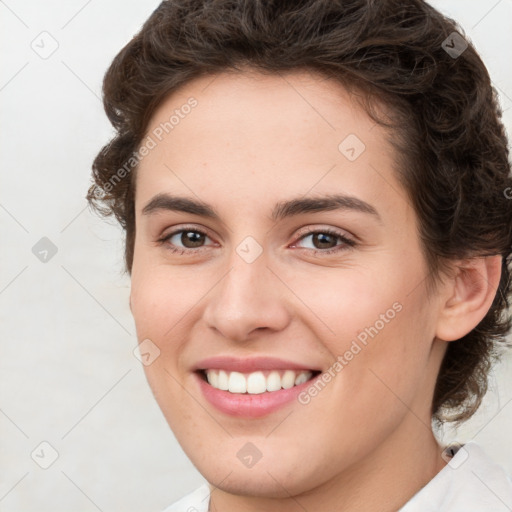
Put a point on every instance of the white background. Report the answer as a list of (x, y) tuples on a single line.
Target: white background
[(67, 369)]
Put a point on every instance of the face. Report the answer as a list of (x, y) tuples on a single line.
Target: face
[(277, 257)]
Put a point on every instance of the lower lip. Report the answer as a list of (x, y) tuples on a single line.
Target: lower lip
[(247, 405)]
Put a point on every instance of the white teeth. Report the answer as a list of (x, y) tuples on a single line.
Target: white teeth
[(301, 378), (237, 383), (273, 381), (288, 379), (256, 382), (213, 379), (223, 382)]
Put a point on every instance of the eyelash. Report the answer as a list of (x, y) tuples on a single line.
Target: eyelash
[(346, 243)]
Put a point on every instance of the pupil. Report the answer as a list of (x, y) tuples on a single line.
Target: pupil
[(324, 240), (192, 239)]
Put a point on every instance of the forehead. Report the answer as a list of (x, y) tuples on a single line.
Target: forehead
[(245, 99), (252, 134)]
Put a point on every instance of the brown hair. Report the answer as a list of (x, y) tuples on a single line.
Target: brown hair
[(452, 155)]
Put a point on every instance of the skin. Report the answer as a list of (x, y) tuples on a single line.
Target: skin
[(251, 142)]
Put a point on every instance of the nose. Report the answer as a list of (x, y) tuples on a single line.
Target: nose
[(249, 299)]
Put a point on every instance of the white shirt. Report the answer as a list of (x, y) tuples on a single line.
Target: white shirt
[(470, 482)]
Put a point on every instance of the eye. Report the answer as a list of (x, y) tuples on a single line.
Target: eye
[(185, 240), (325, 241)]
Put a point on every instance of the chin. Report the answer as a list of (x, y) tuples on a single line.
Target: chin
[(259, 484), (274, 476)]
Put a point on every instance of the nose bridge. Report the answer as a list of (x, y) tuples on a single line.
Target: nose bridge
[(241, 282), (246, 298)]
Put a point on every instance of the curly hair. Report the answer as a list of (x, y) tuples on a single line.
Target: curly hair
[(452, 155)]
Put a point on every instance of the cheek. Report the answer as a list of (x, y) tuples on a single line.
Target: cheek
[(166, 305), (159, 308), (151, 317), (348, 301), (377, 324), (161, 297)]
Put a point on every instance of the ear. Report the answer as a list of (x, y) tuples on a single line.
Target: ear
[(470, 292)]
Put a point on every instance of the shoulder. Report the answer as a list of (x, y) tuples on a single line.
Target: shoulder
[(196, 501), (470, 482)]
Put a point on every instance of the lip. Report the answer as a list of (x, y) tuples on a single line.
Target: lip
[(250, 406), (248, 365), (245, 405)]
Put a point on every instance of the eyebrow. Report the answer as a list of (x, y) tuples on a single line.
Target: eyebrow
[(281, 210)]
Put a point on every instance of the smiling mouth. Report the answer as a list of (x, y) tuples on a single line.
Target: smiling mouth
[(257, 382)]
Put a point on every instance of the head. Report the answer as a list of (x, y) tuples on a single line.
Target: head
[(339, 182)]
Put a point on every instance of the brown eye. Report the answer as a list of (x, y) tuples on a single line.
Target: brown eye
[(192, 239), (324, 240), (186, 239)]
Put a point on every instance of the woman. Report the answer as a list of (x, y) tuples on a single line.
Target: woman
[(318, 235)]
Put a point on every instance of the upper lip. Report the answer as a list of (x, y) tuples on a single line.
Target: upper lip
[(250, 364)]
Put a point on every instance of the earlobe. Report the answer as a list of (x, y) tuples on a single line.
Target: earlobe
[(471, 294)]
